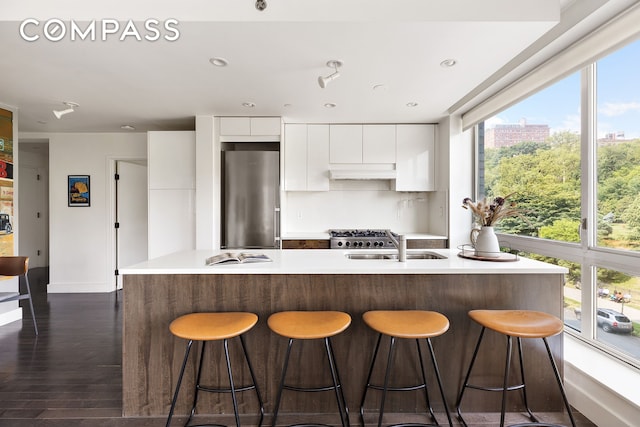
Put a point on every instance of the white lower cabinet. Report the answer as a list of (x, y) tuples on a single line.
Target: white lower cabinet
[(306, 157), (415, 157)]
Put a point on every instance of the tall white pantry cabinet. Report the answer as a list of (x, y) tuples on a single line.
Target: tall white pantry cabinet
[(172, 187)]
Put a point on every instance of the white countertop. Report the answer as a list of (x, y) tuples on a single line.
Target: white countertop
[(334, 261), (325, 236)]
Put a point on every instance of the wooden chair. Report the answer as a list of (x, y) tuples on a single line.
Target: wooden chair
[(17, 266)]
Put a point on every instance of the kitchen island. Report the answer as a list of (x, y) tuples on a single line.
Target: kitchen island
[(159, 290)]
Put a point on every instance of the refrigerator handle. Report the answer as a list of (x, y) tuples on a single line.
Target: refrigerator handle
[(276, 227)]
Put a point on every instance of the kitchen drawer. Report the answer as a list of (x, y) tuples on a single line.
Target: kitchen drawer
[(305, 244), (426, 243)]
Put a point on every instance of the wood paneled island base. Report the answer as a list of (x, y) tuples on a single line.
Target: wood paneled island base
[(152, 356)]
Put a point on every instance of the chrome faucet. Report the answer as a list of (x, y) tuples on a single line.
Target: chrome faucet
[(400, 243)]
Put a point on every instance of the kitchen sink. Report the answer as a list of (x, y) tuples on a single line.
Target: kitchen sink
[(394, 255)]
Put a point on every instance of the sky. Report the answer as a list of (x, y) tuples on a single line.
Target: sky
[(618, 99)]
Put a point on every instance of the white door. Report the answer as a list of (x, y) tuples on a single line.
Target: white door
[(131, 214), (34, 218)]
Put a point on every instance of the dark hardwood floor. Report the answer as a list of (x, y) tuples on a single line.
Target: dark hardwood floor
[(70, 375)]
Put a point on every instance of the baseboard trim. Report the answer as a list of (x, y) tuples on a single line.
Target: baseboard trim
[(11, 316), (79, 288)]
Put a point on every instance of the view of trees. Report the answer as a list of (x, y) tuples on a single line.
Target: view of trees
[(545, 178)]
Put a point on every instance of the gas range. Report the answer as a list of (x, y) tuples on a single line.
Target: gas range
[(360, 239)]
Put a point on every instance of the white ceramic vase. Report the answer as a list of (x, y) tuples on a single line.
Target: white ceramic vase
[(485, 242)]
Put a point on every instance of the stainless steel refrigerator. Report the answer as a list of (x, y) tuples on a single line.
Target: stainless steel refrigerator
[(251, 190)]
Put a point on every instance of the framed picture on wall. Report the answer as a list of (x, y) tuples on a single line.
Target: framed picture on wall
[(79, 190)]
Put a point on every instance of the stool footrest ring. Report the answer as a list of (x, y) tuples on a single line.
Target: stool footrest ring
[(500, 389), (407, 388), (225, 390), (310, 389), (535, 425)]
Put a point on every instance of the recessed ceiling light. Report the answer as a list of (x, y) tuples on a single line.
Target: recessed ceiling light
[(219, 62), (448, 63), (287, 105), (127, 127), (248, 104), (330, 105), (412, 104), (380, 88)]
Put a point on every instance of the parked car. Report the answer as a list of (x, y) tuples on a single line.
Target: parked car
[(611, 320), (5, 223)]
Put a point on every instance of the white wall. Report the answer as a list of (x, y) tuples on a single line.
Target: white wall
[(459, 166), (355, 208), (81, 238)]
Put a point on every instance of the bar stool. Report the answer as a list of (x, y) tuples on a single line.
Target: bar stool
[(519, 324), (206, 327), (405, 324), (310, 325)]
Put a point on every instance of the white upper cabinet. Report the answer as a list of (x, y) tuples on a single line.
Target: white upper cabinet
[(295, 157), (249, 126), (171, 159), (306, 157), (345, 143), (378, 144), (362, 144), (415, 158), (318, 158), (265, 126)]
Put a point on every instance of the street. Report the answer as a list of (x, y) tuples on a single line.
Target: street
[(626, 343)]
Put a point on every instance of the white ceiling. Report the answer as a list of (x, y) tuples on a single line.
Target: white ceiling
[(275, 57)]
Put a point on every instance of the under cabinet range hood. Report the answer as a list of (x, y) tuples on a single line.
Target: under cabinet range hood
[(362, 172)]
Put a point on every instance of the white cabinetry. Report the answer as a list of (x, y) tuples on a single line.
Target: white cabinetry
[(172, 171), (249, 126), (378, 144), (345, 143), (318, 158), (415, 157), (362, 144), (306, 157)]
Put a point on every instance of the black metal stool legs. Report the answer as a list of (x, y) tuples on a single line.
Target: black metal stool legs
[(253, 379), (439, 379), (175, 394), (232, 386), (337, 385), (506, 387), (385, 387)]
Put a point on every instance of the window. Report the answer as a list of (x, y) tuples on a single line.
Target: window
[(580, 192), (618, 149), (533, 150)]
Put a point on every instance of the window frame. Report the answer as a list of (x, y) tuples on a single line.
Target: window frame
[(586, 252)]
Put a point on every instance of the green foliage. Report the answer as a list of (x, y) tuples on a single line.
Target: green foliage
[(562, 229), (545, 178), (631, 216)]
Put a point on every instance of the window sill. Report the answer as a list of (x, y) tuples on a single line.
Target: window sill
[(600, 386)]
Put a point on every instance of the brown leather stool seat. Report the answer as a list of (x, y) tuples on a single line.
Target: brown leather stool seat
[(311, 325), (405, 324), (206, 327), (519, 324)]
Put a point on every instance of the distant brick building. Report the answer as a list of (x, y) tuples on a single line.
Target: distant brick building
[(508, 135)]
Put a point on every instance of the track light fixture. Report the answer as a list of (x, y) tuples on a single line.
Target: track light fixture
[(72, 106), (335, 64)]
